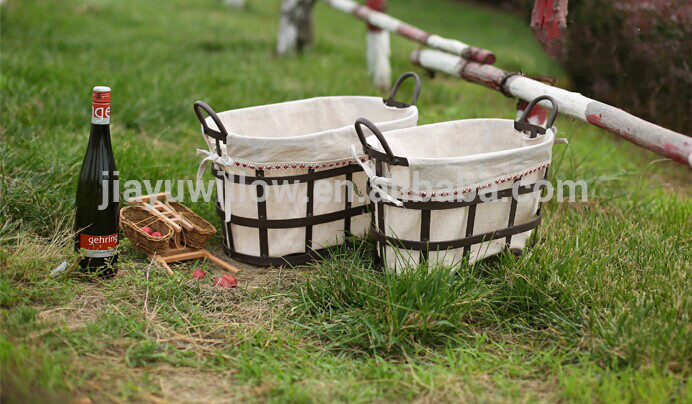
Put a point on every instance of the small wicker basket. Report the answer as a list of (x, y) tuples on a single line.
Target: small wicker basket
[(202, 230), (133, 218)]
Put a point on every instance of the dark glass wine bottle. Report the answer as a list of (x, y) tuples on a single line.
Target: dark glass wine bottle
[(97, 203)]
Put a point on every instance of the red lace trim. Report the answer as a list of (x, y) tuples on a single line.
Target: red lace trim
[(466, 190), (296, 165)]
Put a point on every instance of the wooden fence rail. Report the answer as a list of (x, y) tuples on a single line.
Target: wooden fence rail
[(395, 26), (473, 64), (652, 137)]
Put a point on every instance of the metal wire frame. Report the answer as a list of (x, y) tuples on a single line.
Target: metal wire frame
[(424, 245)]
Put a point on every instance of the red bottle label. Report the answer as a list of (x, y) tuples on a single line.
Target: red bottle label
[(98, 246), (101, 106)]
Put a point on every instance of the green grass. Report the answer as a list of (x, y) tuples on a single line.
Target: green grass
[(601, 310)]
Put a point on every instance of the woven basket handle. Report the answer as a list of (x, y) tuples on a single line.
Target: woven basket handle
[(391, 102), (202, 106), (378, 134), (523, 125)]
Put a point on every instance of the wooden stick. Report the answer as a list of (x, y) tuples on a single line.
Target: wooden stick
[(162, 262), (189, 253), (145, 198), (393, 25), (166, 219), (664, 142), (163, 211), (168, 210), (220, 263)]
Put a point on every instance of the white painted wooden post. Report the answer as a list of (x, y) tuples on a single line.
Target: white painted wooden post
[(295, 26), (378, 50)]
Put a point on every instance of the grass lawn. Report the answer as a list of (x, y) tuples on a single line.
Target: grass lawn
[(601, 310)]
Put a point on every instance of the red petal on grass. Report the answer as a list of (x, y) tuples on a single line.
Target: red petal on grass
[(227, 281)]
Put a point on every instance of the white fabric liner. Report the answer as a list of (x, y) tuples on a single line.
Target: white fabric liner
[(468, 154), (311, 131), (314, 130)]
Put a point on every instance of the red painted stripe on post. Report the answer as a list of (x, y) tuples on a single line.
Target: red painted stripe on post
[(377, 5), (412, 33), (479, 55), (637, 131)]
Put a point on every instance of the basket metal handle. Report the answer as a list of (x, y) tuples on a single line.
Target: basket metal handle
[(390, 101), (376, 131), (201, 105), (198, 107), (523, 125)]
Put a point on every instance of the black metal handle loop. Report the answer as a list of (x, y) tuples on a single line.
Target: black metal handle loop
[(376, 132), (390, 101), (523, 125), (553, 114), (201, 105)]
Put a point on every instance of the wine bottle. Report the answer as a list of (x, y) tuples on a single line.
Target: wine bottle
[(97, 202)]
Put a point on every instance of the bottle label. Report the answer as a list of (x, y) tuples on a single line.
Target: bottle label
[(98, 246), (101, 106)]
